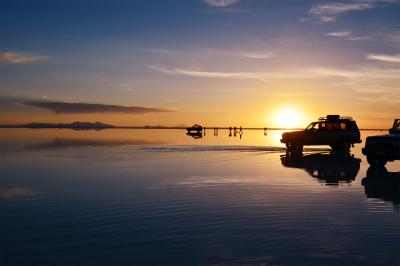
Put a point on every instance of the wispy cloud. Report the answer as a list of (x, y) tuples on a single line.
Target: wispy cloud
[(203, 74), (328, 12), (339, 34), (309, 73), (249, 54), (255, 55), (381, 81), (18, 58), (220, 3), (88, 108), (357, 38), (346, 35), (386, 58), (336, 8)]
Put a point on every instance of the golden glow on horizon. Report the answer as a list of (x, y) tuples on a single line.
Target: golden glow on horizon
[(288, 117)]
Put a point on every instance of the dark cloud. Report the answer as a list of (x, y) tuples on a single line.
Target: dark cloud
[(18, 58), (88, 108)]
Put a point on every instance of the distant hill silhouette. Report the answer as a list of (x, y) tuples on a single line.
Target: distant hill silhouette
[(74, 125), (77, 125)]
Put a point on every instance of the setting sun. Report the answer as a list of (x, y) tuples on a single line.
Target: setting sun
[(288, 117)]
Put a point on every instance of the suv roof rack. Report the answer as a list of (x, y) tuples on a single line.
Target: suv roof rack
[(335, 117)]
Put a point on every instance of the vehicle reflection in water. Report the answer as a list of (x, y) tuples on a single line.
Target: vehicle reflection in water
[(381, 184), (329, 168), (195, 135)]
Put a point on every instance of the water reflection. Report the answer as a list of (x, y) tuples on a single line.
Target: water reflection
[(234, 131), (200, 133), (14, 193), (80, 142), (382, 184), (330, 168), (217, 200), (195, 135)]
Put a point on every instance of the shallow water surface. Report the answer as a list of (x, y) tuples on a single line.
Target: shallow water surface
[(159, 197)]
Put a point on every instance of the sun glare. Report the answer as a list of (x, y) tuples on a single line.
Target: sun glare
[(288, 118)]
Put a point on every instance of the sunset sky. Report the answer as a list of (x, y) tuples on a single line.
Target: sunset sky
[(214, 62)]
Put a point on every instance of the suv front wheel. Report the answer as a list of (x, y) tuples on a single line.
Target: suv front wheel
[(294, 147)]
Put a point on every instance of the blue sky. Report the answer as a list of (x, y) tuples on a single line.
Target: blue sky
[(219, 54)]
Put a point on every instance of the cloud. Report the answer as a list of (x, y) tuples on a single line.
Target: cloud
[(251, 55), (220, 3), (346, 35), (204, 74), (326, 19), (17, 58), (335, 8), (88, 108), (385, 58), (248, 54), (309, 73), (328, 12), (339, 34)]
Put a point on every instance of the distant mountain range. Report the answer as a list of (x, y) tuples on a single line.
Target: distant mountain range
[(77, 125), (74, 125)]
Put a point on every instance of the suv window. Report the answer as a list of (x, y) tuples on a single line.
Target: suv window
[(336, 126)]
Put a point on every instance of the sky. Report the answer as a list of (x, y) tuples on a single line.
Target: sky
[(250, 63)]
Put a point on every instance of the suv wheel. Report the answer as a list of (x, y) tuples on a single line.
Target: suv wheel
[(294, 147)]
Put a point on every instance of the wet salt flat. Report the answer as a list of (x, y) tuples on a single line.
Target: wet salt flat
[(159, 197)]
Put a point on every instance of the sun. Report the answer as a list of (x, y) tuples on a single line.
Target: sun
[(288, 117)]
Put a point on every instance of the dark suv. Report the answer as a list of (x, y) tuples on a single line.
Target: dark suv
[(334, 130), (381, 149)]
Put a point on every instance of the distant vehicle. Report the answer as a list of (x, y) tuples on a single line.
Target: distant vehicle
[(334, 130), (381, 149), (195, 129), (332, 169)]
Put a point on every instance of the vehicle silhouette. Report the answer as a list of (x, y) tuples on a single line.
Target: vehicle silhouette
[(195, 129), (340, 133), (330, 168), (381, 184), (381, 149)]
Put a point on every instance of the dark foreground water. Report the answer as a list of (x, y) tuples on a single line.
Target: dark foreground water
[(159, 197)]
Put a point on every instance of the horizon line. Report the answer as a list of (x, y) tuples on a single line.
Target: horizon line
[(152, 127)]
